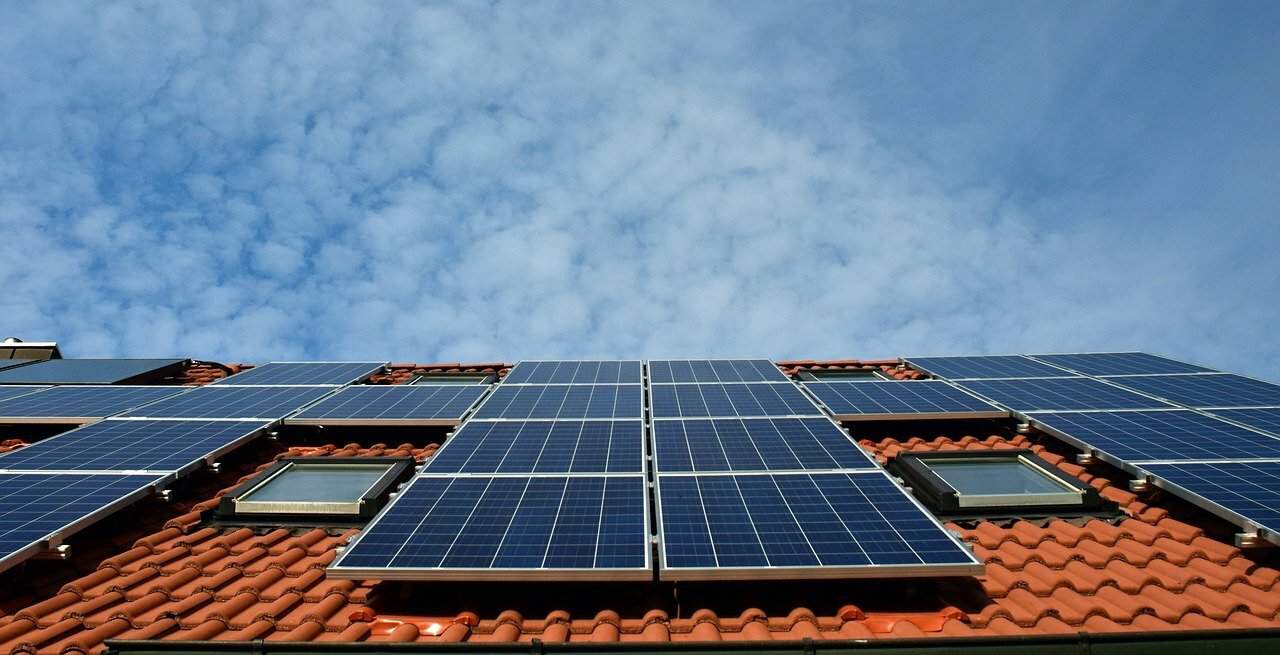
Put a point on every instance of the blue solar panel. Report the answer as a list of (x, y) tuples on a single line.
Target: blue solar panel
[(920, 399), (1223, 390), (543, 447), (1250, 490), (702, 400), (988, 367), (575, 372), (563, 402), (115, 445), (769, 444), (81, 402), (1177, 435), (1120, 364), (13, 392), (35, 507), (1059, 394), (86, 371), (373, 404), (10, 363), (1264, 419), (304, 373), (268, 403), (714, 370), (822, 524), (507, 527)]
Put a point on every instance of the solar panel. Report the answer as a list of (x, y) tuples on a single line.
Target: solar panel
[(563, 402), (744, 399), (1051, 394), (79, 404), (714, 370), (1249, 492), (87, 371), (1120, 364), (35, 508), (115, 445), (1177, 435), (1263, 419), (10, 363), (522, 527), (304, 373), (1204, 391), (369, 404), (768, 444), (15, 391), (543, 447), (914, 400), (985, 367), (575, 372), (800, 525), (267, 403)]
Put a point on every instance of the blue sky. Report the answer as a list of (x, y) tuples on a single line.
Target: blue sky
[(507, 180)]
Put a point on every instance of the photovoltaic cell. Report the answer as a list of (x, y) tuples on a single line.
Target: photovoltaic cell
[(268, 403), (575, 372), (84, 371), (1120, 364), (917, 399), (1051, 394), (1264, 419), (477, 527), (1202, 391), (10, 363), (373, 404), (82, 402), (563, 402), (15, 391), (115, 445), (35, 507), (1250, 490), (799, 525), (985, 367), (746, 399), (543, 447), (714, 370), (304, 373), (769, 444), (1177, 435)]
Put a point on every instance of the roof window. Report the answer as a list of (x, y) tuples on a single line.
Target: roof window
[(995, 482), (337, 488)]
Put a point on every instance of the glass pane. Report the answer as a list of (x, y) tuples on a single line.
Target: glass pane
[(994, 476), (319, 483)]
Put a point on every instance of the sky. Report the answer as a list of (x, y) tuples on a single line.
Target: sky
[(484, 181)]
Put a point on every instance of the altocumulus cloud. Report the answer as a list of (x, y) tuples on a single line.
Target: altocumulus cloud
[(505, 180)]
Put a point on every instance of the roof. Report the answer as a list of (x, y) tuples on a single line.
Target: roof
[(167, 573)]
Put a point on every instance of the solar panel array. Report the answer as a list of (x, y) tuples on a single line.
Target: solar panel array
[(394, 405), (304, 374), (906, 399), (769, 444), (85, 371), (79, 404), (10, 363), (987, 367), (266, 403), (563, 402), (118, 445), (721, 400), (1263, 418), (1248, 491), (1132, 363), (543, 447), (575, 372), (665, 371), (15, 391), (1059, 394), (1206, 391), (1173, 435)]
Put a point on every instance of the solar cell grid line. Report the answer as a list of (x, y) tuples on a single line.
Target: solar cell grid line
[(507, 528), (36, 507), (733, 399), (115, 445), (81, 403), (666, 371), (770, 444), (1263, 418), (266, 403), (918, 399), (985, 367), (15, 391), (560, 402), (297, 374), (542, 447), (370, 404), (1222, 390), (1060, 394), (576, 372), (1172, 435), (799, 525), (1125, 363), (1245, 493)]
